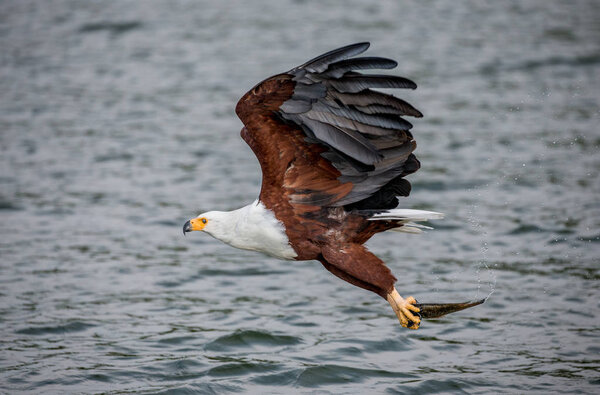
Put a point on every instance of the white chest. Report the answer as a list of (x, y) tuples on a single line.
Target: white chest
[(256, 228)]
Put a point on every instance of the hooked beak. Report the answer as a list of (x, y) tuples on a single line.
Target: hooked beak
[(194, 224), (187, 227)]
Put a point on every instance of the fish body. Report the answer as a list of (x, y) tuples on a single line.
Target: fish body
[(437, 310)]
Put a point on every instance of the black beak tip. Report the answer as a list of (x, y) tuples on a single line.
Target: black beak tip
[(186, 227)]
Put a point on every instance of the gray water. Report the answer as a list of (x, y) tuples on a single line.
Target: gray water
[(117, 125)]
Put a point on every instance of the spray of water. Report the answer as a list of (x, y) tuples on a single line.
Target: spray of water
[(476, 224)]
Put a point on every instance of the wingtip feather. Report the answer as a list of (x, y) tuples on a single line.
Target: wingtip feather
[(321, 62)]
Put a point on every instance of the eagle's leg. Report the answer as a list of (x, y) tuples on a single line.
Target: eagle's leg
[(355, 264), (404, 309)]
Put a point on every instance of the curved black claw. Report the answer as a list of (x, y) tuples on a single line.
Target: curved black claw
[(411, 324), (414, 325)]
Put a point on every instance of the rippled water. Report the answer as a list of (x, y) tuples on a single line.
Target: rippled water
[(117, 124)]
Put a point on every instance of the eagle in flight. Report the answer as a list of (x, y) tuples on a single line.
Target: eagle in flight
[(334, 154)]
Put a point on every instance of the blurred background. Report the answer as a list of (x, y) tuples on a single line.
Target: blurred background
[(117, 125)]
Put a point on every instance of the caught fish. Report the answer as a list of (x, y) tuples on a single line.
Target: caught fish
[(437, 310)]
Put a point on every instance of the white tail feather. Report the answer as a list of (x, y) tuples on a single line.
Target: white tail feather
[(407, 219), (408, 229), (415, 225), (403, 214)]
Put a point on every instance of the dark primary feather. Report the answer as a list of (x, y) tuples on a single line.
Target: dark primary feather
[(338, 69), (340, 121), (377, 119), (368, 98), (359, 82), (320, 63), (350, 142)]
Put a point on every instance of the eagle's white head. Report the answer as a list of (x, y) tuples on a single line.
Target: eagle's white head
[(211, 222)]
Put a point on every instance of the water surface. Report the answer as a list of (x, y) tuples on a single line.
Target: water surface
[(117, 125)]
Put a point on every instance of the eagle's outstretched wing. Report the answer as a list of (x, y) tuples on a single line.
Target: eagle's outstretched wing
[(323, 137)]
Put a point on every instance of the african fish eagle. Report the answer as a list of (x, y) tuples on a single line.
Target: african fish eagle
[(334, 154)]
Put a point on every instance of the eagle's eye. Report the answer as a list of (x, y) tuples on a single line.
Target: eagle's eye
[(203, 220)]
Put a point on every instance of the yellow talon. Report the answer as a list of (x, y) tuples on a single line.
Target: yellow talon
[(412, 301), (404, 309)]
